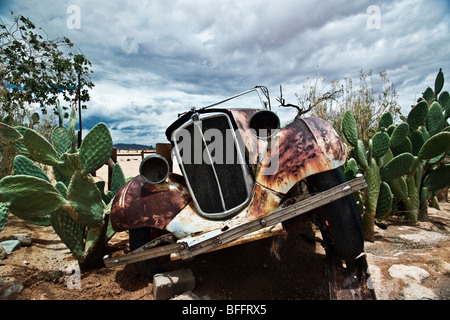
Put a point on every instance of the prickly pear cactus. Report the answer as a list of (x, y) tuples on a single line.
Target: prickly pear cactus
[(409, 155), (96, 148), (74, 206)]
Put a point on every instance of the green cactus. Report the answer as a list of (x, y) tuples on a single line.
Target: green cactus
[(384, 203), (86, 199), (435, 146), (349, 128), (411, 169), (399, 158), (435, 118), (70, 232), (438, 178), (74, 206), (117, 178), (40, 149), (24, 166), (399, 134), (428, 94), (9, 133), (381, 143), (439, 82), (61, 140), (96, 148), (417, 115), (397, 167), (4, 214), (386, 121)]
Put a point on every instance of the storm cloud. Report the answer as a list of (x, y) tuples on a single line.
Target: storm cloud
[(155, 59)]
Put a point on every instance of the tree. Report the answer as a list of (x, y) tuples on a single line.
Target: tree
[(330, 102), (38, 70)]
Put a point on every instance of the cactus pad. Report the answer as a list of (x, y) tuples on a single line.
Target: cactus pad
[(4, 214), (417, 141), (384, 204), (397, 167), (39, 148), (438, 178), (373, 186), (61, 140), (428, 94), (418, 115), (399, 134), (96, 148), (435, 119), (24, 166), (360, 155), (380, 142), (386, 120), (405, 146), (439, 82), (117, 178), (86, 199), (70, 232), (399, 188), (62, 189), (349, 128), (9, 133), (435, 146), (30, 196)]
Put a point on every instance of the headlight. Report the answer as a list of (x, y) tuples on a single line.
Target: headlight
[(154, 169), (264, 124)]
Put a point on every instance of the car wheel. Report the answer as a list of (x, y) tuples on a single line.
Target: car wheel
[(339, 221), (139, 237)]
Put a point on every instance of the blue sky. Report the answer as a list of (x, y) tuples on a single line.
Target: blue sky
[(155, 59)]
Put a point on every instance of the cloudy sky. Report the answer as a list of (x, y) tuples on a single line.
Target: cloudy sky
[(153, 59)]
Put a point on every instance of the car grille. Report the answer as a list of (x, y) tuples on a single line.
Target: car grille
[(213, 165)]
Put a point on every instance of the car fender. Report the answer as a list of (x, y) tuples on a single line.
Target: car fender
[(139, 204), (302, 148)]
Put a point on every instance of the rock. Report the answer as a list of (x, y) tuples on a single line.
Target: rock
[(3, 253), (10, 245), (408, 273), (424, 237), (188, 295), (169, 284), (414, 291), (440, 266), (9, 286), (23, 238)]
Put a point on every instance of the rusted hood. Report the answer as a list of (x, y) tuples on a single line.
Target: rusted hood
[(139, 204), (303, 148)]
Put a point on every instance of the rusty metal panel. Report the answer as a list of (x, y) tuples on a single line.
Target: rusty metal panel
[(304, 147), (188, 223), (139, 204)]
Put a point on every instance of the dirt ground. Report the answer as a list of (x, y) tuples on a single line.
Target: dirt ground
[(47, 270)]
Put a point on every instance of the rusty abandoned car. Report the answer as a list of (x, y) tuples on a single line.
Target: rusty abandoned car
[(243, 178)]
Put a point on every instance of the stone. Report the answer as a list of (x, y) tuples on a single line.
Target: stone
[(3, 253), (424, 237), (408, 273), (169, 284), (9, 286), (188, 295), (23, 238), (414, 291), (10, 245)]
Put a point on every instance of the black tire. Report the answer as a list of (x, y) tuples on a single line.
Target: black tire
[(137, 238), (345, 235)]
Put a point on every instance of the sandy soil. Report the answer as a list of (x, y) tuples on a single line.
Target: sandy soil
[(47, 270)]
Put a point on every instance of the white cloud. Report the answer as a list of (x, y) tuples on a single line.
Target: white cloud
[(154, 59)]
